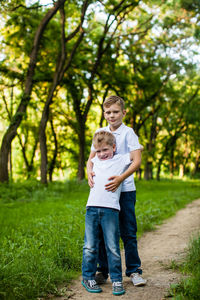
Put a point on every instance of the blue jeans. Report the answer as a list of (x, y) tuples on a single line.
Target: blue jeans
[(106, 220), (128, 232)]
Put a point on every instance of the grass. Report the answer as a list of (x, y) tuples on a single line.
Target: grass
[(42, 229), (189, 286), (41, 237), (157, 201)]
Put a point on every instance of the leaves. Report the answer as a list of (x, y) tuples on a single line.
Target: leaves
[(145, 52)]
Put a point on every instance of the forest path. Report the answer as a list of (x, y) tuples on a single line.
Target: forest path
[(157, 249)]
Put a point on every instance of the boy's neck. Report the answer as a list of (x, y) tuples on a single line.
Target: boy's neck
[(113, 128)]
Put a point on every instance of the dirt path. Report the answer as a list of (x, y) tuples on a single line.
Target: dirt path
[(157, 249)]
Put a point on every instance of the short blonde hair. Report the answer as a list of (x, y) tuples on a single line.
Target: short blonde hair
[(103, 136), (114, 100)]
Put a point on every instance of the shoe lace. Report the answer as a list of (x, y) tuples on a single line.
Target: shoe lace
[(117, 283), (136, 275), (92, 282)]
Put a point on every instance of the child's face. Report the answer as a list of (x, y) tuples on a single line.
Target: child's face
[(114, 115), (105, 151)]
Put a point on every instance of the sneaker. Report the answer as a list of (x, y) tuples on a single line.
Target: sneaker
[(91, 286), (100, 278), (117, 288), (137, 279)]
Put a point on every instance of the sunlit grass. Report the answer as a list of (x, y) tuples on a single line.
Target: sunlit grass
[(42, 229)]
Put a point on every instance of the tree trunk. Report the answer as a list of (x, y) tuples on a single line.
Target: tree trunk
[(148, 172), (171, 163), (29, 166), (52, 164), (102, 111), (159, 169), (4, 154), (10, 164), (168, 147), (43, 149), (17, 118)]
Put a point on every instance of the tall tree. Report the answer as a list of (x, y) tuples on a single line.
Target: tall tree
[(17, 117), (64, 60)]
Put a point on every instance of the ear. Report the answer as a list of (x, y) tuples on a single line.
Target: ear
[(114, 147), (124, 112)]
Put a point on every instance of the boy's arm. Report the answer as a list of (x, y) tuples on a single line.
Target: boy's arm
[(90, 172), (135, 156)]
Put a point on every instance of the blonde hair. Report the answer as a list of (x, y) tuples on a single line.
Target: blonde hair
[(114, 100), (102, 137)]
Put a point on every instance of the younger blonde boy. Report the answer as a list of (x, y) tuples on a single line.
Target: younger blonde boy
[(102, 214)]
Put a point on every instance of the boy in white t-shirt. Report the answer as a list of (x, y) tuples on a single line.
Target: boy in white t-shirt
[(126, 142), (102, 214)]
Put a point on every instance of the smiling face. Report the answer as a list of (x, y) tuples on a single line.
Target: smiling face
[(114, 115), (105, 151)]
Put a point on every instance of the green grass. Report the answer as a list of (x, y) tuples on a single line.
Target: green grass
[(189, 287), (42, 229), (157, 201)]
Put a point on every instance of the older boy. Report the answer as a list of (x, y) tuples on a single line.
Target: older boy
[(126, 141), (103, 213)]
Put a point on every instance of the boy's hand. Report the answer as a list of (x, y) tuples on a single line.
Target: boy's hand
[(114, 184), (90, 173), (90, 179)]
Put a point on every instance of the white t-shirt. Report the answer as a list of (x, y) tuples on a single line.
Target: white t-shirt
[(126, 141), (104, 169)]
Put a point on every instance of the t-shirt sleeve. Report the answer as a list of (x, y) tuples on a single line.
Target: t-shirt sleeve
[(132, 141)]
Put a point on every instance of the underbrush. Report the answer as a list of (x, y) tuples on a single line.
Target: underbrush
[(42, 229)]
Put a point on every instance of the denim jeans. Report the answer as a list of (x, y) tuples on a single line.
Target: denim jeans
[(106, 220), (128, 231)]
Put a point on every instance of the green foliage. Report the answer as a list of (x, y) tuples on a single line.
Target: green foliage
[(42, 229), (191, 5), (189, 287), (148, 60)]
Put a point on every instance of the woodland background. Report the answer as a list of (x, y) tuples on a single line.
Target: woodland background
[(60, 60)]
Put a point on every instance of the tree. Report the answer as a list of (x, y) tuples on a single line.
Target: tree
[(99, 41), (17, 117), (63, 64), (152, 66), (139, 50)]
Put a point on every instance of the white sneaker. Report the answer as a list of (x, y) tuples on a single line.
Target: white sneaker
[(137, 279)]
